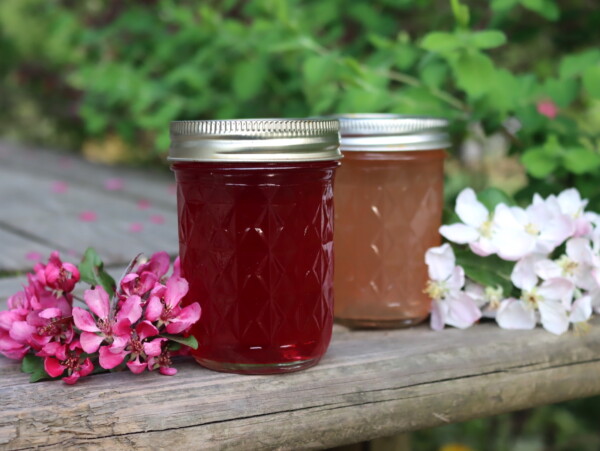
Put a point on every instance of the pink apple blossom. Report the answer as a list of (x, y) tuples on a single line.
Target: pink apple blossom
[(69, 359), (106, 327), (163, 306), (547, 108)]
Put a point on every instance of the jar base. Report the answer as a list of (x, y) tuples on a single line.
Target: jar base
[(258, 368), (380, 323)]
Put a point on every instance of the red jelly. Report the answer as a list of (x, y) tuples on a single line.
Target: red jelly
[(256, 245)]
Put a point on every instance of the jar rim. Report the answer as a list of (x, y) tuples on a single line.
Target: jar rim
[(255, 140), (392, 132)]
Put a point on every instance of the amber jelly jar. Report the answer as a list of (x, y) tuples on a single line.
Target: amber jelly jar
[(389, 199), (255, 202)]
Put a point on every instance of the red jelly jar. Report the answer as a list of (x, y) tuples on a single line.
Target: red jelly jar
[(255, 204)]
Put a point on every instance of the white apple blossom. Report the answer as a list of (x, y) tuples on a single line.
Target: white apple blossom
[(488, 299), (548, 303), (477, 227), (450, 305), (577, 265), (571, 204), (538, 229)]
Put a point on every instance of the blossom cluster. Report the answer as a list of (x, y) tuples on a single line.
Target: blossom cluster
[(134, 325), (552, 247)]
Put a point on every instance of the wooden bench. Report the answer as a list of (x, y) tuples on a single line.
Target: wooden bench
[(370, 383)]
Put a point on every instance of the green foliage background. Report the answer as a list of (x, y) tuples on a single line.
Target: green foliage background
[(103, 71), (75, 71)]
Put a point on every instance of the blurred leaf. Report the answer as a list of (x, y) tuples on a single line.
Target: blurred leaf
[(187, 341), (581, 160), (474, 72), (545, 8), (542, 161), (488, 39), (434, 74), (591, 81), (575, 64), (317, 69), (489, 271), (503, 5), (490, 197), (563, 92), (461, 13), (439, 41), (34, 365), (92, 271), (248, 78)]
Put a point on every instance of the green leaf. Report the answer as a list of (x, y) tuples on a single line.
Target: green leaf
[(490, 197), (187, 341), (434, 74), (318, 69), (439, 41), (503, 5), (461, 13), (581, 160), (474, 73), (591, 81), (545, 8), (248, 78), (488, 39), (91, 270), (34, 365), (489, 271), (539, 162), (563, 92), (575, 64)]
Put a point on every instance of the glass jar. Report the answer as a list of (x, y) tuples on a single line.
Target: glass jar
[(255, 204), (389, 200)]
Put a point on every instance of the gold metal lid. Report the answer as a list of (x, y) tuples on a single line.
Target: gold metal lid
[(392, 132), (255, 140)]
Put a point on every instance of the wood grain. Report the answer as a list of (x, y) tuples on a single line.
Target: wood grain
[(53, 220), (370, 384)]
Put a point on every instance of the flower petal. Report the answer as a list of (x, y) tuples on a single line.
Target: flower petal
[(581, 310), (548, 269), (136, 367), (90, 342), (86, 367), (108, 359), (440, 262), (557, 289), (146, 329), (70, 380), (514, 314), (131, 309), (98, 301), (154, 348), (167, 371), (459, 233), (190, 315), (469, 209), (439, 311), (154, 309), (53, 367), (462, 311), (176, 290), (83, 320), (554, 317), (21, 331), (523, 275)]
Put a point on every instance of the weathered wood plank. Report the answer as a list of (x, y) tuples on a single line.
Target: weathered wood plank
[(370, 384), (152, 184), (117, 227), (17, 252)]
